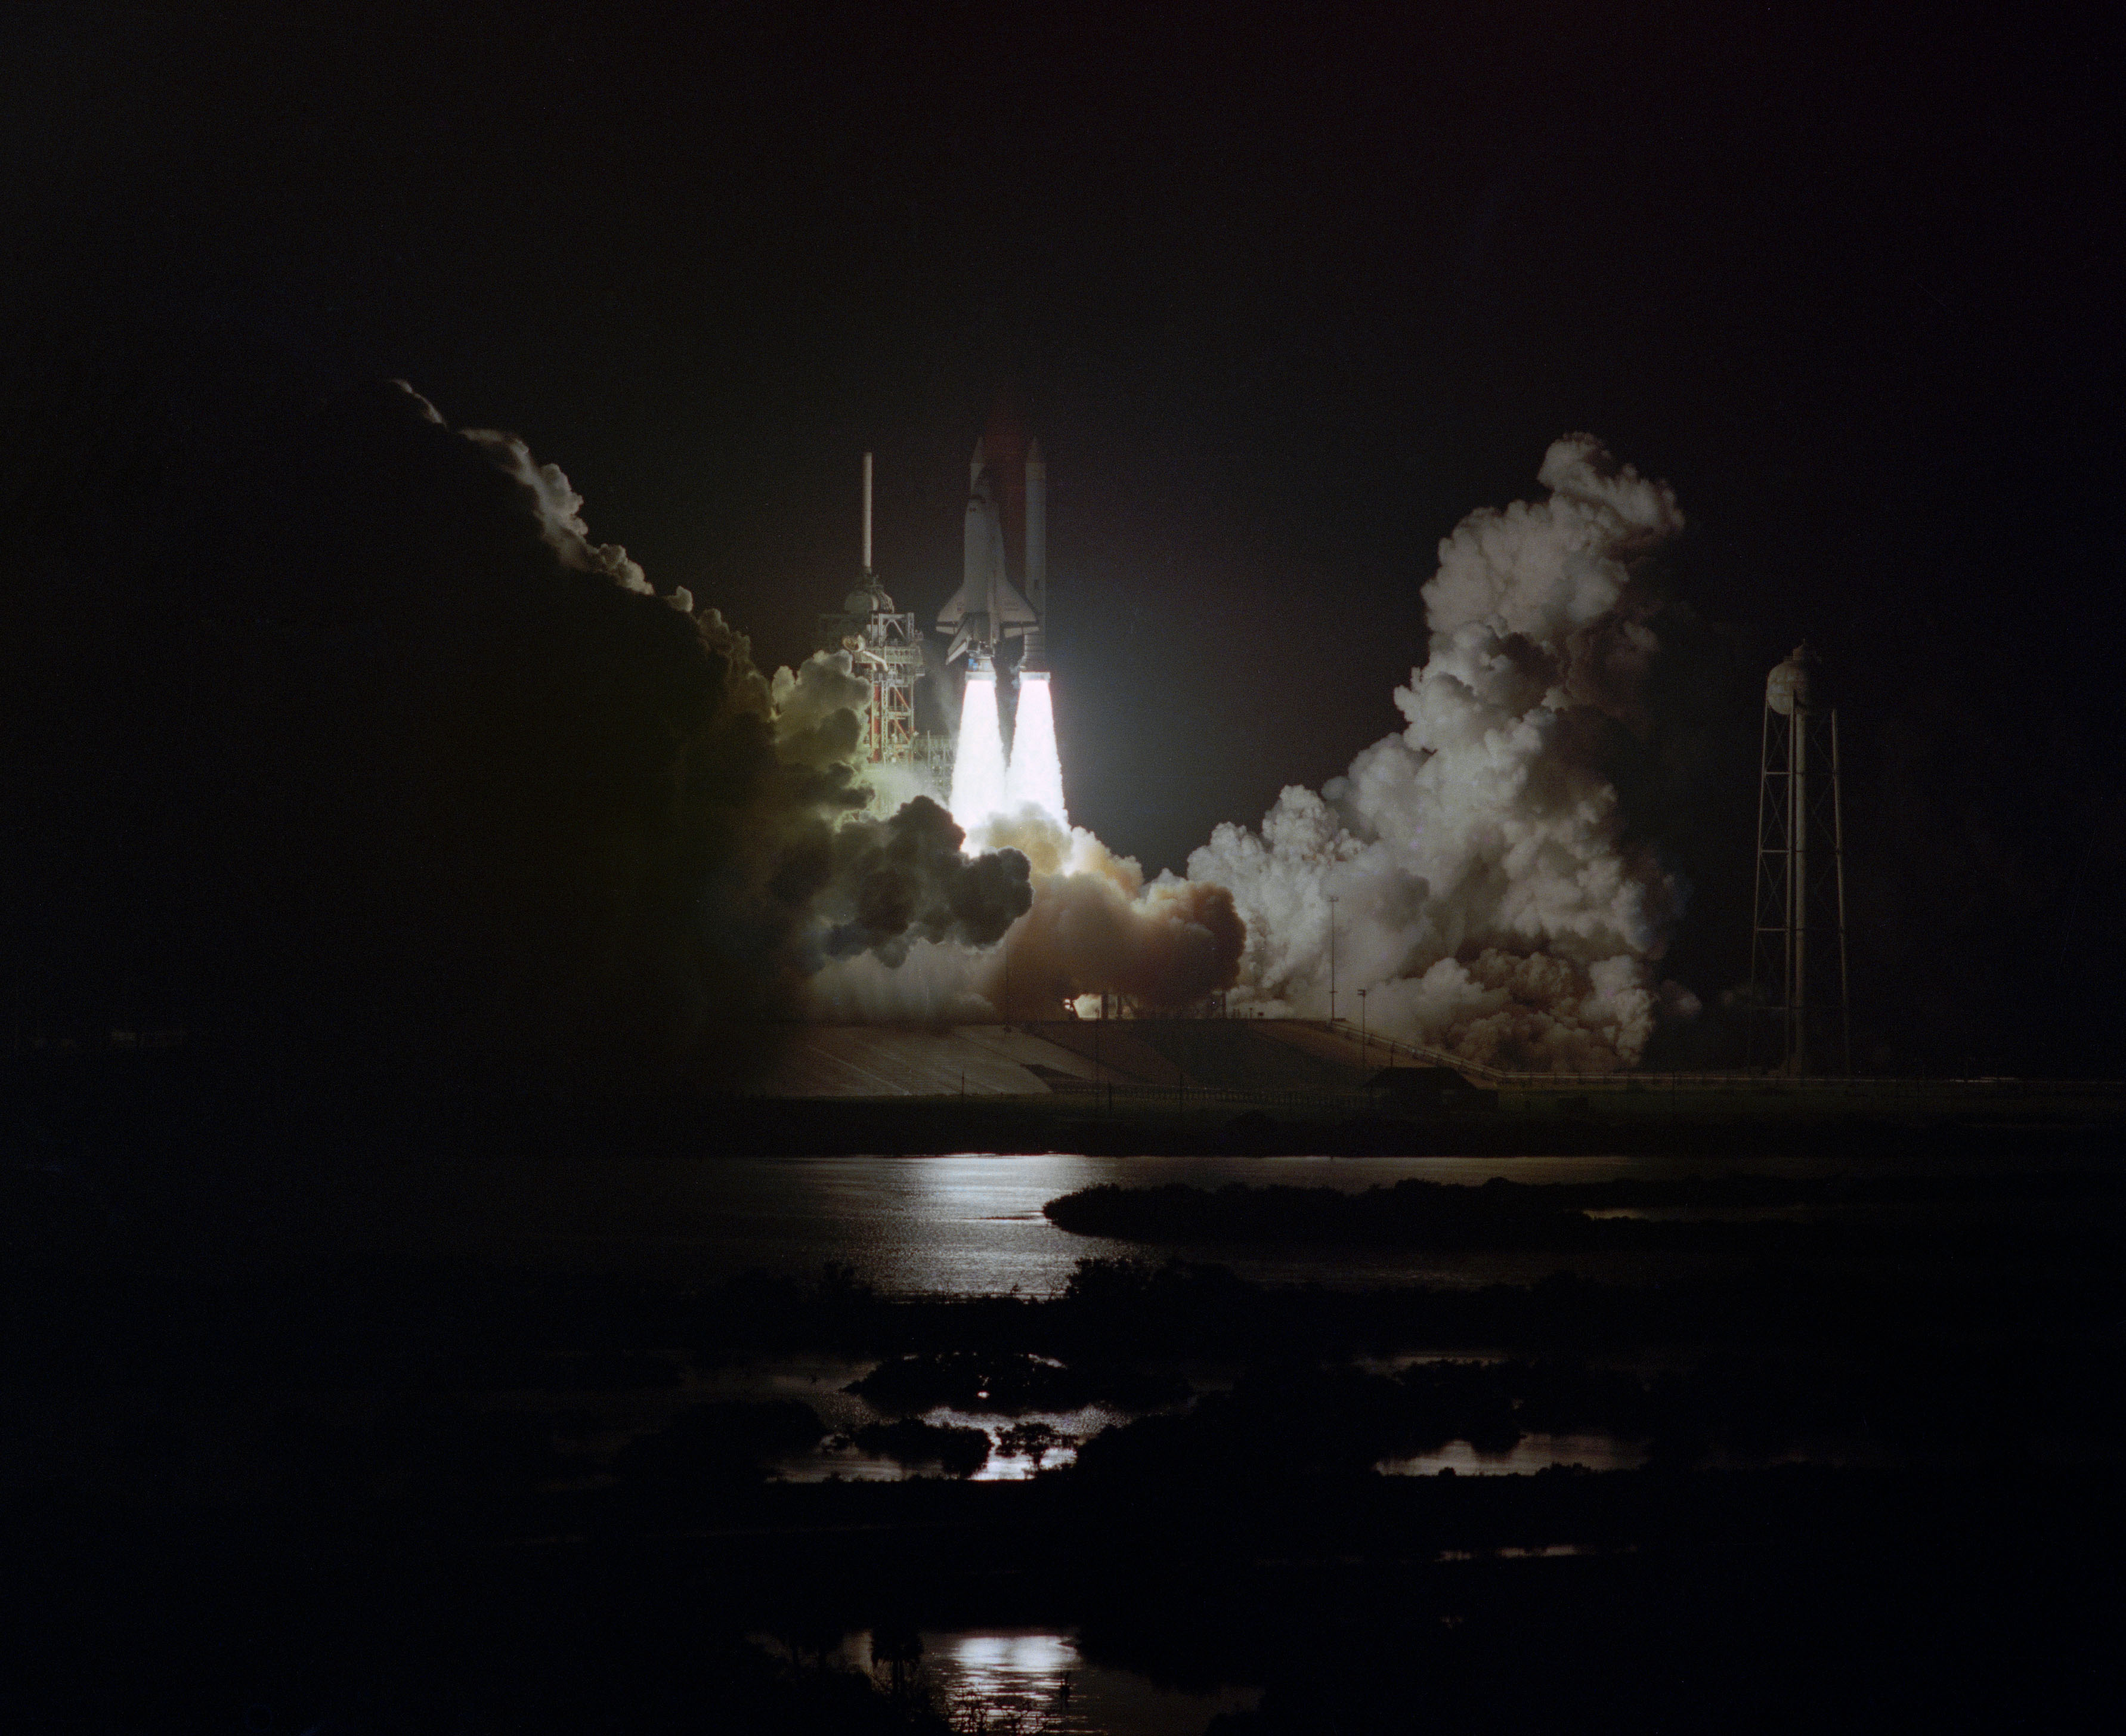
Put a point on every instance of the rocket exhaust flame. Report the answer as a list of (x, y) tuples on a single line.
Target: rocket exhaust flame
[(1035, 775), (1004, 534), (979, 786), (1094, 926), (987, 786)]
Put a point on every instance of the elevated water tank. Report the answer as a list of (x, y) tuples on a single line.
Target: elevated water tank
[(1788, 685)]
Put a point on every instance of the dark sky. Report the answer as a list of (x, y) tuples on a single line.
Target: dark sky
[(1284, 295)]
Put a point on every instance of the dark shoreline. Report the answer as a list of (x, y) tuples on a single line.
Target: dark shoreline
[(1731, 1213), (426, 1494), (1741, 1600), (175, 1103)]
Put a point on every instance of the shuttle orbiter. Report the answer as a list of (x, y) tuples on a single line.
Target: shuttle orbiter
[(987, 609)]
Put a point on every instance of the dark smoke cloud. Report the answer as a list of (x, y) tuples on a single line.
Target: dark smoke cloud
[(337, 734), (1094, 927), (904, 879)]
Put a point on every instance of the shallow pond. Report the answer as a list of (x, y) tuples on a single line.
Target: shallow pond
[(1029, 1680)]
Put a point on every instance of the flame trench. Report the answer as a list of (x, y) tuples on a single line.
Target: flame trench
[(1036, 773), (979, 778)]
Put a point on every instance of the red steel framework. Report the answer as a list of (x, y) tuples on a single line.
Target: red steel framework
[(885, 648)]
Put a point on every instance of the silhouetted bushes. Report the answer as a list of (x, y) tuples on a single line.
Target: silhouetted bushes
[(1555, 1215), (912, 1442), (1120, 1327), (1034, 1440), (1280, 1424), (721, 1443), (1282, 1421), (1010, 1384)]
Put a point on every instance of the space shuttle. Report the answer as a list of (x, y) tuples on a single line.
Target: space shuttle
[(988, 609)]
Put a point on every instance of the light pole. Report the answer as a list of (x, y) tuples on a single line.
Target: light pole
[(1333, 901), (1362, 1030)]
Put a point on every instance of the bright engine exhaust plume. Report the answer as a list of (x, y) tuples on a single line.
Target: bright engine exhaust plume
[(979, 783), (1094, 928), (1035, 776)]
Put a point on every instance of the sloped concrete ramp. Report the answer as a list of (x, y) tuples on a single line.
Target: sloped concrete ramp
[(1217, 1054), (1339, 1052), (1033, 1060), (892, 1061)]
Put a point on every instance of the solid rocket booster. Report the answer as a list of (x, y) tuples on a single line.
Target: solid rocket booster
[(1035, 657)]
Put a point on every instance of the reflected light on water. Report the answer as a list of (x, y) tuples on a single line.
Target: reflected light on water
[(1001, 1660), (1026, 1680), (1531, 1452), (1030, 1679), (1015, 1682)]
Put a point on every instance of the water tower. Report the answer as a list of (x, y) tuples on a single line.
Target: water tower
[(1798, 993)]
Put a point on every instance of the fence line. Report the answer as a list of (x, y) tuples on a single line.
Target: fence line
[(1108, 1095), (1627, 1080)]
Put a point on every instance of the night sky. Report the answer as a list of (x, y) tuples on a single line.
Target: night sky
[(1282, 299)]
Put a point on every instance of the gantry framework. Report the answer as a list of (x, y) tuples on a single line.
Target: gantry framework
[(885, 649)]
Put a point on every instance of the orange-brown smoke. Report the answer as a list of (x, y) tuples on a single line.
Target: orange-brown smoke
[(1096, 928)]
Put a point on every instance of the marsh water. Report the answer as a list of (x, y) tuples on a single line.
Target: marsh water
[(966, 1224), (1035, 1680), (971, 1224), (963, 1225)]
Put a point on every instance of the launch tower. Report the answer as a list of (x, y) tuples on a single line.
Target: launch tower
[(1797, 977), (885, 649)]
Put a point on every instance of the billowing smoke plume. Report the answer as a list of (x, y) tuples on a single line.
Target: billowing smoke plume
[(1489, 895), (1094, 928), (337, 736), (891, 892), (558, 507), (844, 882), (888, 883), (820, 878)]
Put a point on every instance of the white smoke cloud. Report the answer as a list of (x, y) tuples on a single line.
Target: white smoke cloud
[(1489, 898), (893, 786), (817, 709), (936, 983), (559, 509)]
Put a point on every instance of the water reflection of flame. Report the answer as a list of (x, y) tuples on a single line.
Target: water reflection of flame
[(1019, 1675), (1015, 1679)]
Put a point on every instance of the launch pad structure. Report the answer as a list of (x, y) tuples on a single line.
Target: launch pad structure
[(885, 647), (1005, 756)]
